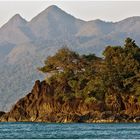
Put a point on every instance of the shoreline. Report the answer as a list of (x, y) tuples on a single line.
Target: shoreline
[(88, 121)]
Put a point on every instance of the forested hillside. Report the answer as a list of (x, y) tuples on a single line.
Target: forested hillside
[(85, 88)]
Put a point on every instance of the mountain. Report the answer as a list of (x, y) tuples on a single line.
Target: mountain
[(53, 23), (13, 29), (25, 44)]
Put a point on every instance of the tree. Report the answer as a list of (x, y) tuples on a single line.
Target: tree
[(64, 60), (121, 64), (88, 77)]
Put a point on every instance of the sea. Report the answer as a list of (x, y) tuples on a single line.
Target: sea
[(29, 130)]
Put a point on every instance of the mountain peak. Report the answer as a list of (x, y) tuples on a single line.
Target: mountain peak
[(52, 7), (17, 20), (52, 12), (17, 16)]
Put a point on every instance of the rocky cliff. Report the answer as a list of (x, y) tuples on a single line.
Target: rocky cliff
[(40, 106)]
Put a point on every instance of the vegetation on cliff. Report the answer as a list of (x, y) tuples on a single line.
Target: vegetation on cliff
[(85, 88), (95, 80)]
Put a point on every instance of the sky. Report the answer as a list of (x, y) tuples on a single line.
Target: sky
[(86, 10)]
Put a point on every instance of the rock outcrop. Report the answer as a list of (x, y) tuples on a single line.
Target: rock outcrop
[(40, 106)]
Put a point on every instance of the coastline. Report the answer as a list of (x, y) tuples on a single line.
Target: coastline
[(73, 118)]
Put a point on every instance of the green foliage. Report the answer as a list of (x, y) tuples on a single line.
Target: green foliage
[(73, 84), (139, 100), (90, 78), (90, 100), (63, 60), (121, 64), (69, 97), (90, 57)]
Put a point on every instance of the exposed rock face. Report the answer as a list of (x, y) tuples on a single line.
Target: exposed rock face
[(40, 106)]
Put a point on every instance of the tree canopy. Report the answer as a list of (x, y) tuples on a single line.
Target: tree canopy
[(91, 78)]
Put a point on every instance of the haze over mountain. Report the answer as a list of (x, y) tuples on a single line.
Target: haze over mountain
[(24, 45)]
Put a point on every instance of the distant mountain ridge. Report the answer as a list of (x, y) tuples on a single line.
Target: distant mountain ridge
[(24, 45)]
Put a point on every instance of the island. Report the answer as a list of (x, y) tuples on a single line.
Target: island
[(84, 88)]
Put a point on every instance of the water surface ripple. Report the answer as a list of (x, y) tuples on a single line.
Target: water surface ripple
[(25, 130)]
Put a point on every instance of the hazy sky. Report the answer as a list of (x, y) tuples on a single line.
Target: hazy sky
[(86, 10)]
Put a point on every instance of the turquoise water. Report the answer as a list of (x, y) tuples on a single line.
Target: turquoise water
[(69, 131)]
